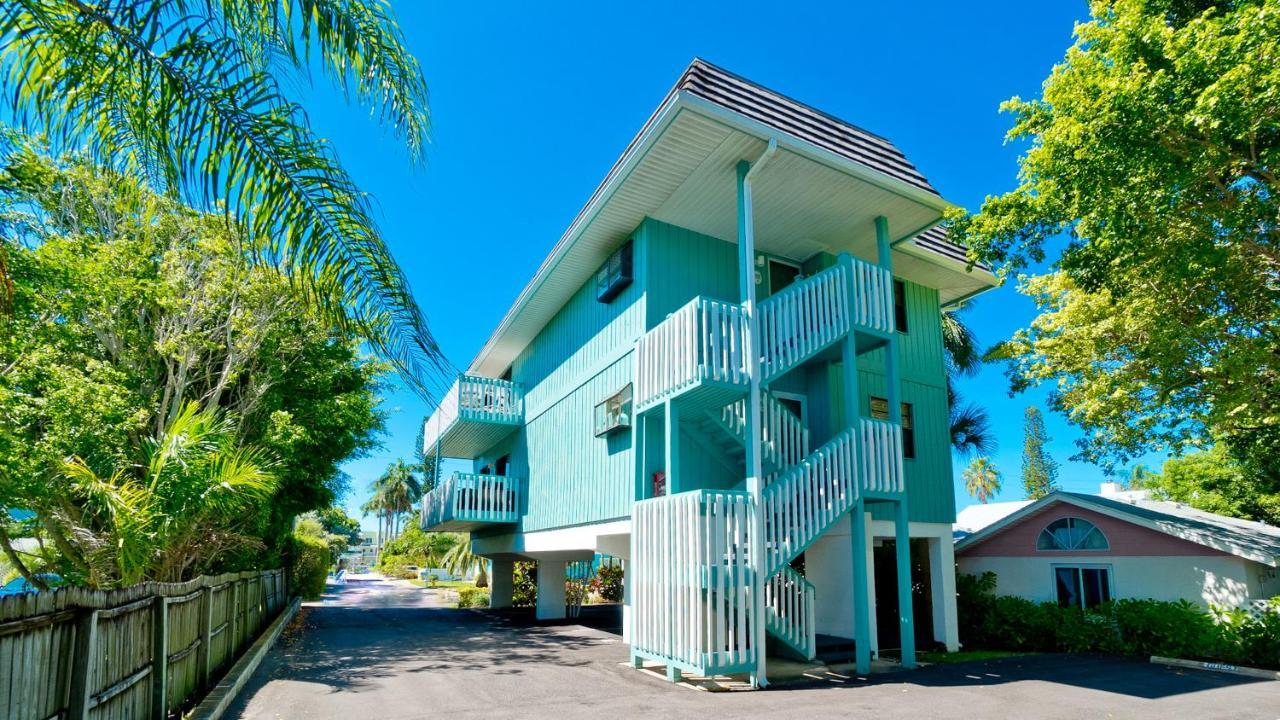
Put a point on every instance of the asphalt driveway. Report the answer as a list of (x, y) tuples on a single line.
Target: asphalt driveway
[(381, 650)]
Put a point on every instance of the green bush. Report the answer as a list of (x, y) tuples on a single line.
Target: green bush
[(1128, 627), (469, 597), (524, 591), (608, 583), (311, 560)]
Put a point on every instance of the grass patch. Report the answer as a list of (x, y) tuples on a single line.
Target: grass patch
[(945, 658)]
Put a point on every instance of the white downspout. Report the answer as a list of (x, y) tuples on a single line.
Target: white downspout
[(746, 262)]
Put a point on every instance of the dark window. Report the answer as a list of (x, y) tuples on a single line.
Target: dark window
[(900, 305), (1082, 587), (794, 405), (880, 411), (615, 274), (781, 275), (615, 412), (502, 465)]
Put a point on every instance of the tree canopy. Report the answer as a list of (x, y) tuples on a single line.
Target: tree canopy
[(1153, 151), (134, 318)]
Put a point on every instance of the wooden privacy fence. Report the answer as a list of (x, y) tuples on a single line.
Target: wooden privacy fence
[(139, 652)]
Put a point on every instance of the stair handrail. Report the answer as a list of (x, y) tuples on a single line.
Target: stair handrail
[(802, 318), (789, 610), (700, 341), (808, 498)]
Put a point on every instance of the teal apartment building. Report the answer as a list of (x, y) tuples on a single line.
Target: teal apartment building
[(728, 374)]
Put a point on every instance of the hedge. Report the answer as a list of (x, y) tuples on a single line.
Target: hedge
[(311, 560), (1126, 627)]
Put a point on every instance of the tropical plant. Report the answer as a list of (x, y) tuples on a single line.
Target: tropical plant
[(190, 96), (1039, 470), (982, 479), (127, 309), (461, 561), (969, 423), (1153, 153), (177, 509)]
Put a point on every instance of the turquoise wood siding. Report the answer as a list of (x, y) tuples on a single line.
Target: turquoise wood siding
[(683, 264), (581, 357)]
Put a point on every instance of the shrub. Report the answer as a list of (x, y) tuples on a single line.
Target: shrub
[(524, 591), (311, 560), (469, 597), (608, 583), (1130, 627)]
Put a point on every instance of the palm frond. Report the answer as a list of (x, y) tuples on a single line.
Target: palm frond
[(970, 429), (960, 344), (149, 88)]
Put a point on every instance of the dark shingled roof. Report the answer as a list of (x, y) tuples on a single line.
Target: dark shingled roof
[(830, 133)]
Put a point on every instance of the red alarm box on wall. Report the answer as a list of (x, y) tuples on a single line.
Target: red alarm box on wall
[(659, 484)]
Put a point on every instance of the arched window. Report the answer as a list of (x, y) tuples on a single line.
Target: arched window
[(1072, 533)]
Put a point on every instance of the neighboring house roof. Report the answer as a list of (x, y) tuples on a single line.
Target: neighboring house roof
[(711, 116), (1243, 538), (975, 517)]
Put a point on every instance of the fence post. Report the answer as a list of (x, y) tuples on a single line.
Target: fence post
[(160, 658), (82, 664), (235, 617), (205, 651)]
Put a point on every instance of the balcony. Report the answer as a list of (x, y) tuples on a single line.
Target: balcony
[(467, 501), (476, 413)]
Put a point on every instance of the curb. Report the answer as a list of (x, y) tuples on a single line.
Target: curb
[(1218, 667), (216, 702)]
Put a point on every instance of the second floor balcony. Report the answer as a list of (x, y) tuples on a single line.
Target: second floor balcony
[(476, 413), (467, 501)]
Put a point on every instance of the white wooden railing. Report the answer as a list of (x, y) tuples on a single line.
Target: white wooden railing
[(802, 319), (470, 497), (872, 296), (474, 398), (700, 341), (881, 456), (784, 438), (690, 570), (805, 500), (789, 611)]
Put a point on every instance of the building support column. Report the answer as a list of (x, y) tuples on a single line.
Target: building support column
[(671, 422), (551, 597), (906, 617), (501, 583), (755, 473), (942, 580), (626, 602), (861, 600)]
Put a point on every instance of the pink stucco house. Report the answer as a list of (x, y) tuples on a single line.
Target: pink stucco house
[(1078, 549)]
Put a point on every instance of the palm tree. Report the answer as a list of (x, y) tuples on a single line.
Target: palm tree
[(982, 479), (190, 96), (398, 491), (172, 514), (970, 426), (461, 561)]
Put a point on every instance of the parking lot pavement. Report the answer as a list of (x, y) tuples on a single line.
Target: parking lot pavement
[(380, 651)]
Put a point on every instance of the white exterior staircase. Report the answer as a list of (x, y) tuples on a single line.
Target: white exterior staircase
[(691, 551)]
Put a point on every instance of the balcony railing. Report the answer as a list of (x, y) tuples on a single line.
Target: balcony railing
[(700, 342), (467, 500), (457, 427)]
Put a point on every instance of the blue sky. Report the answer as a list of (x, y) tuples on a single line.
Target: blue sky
[(531, 104)]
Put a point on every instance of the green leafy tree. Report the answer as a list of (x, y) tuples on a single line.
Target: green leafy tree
[(336, 521), (191, 96), (1154, 152), (129, 308), (982, 479), (1213, 481), (1039, 471)]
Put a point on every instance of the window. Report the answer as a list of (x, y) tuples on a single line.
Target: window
[(502, 465), (880, 411), (1082, 586), (614, 413), (1071, 533), (900, 305), (615, 274)]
